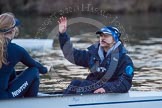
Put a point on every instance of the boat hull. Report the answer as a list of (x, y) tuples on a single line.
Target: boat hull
[(109, 100)]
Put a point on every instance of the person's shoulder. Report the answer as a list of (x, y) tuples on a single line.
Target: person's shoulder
[(16, 47), (127, 58), (93, 46), (124, 53)]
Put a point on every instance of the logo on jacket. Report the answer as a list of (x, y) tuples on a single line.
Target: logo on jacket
[(101, 69), (20, 89), (129, 70)]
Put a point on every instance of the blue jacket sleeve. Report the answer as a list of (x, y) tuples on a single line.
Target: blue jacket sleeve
[(75, 56), (27, 60), (124, 82)]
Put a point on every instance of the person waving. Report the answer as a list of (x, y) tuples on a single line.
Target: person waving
[(111, 68)]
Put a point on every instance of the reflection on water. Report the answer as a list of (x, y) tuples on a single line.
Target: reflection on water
[(146, 56)]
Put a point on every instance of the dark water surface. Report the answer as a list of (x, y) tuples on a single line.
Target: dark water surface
[(144, 43)]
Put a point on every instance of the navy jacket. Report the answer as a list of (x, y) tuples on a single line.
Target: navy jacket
[(16, 54), (120, 80)]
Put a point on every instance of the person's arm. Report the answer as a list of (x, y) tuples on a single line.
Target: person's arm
[(75, 56), (124, 82), (27, 60)]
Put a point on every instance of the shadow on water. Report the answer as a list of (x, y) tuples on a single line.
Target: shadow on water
[(144, 47)]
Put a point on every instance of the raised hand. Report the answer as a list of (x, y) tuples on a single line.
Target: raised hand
[(62, 24)]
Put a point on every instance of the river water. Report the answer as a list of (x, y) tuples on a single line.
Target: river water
[(144, 43)]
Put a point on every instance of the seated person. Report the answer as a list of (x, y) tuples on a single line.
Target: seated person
[(26, 84), (111, 68)]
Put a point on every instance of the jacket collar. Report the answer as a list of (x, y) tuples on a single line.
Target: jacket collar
[(113, 48), (93, 49)]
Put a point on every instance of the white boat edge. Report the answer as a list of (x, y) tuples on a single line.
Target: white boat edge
[(133, 99)]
